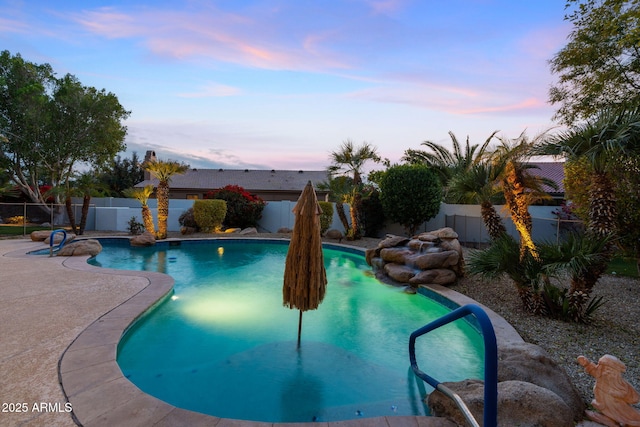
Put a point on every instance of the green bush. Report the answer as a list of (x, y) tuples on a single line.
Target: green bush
[(134, 227), (187, 220), (209, 214), (243, 209), (410, 195), (326, 218)]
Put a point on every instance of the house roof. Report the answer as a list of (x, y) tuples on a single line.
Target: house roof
[(551, 170), (250, 179)]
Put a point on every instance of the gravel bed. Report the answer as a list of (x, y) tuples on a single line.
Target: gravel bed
[(615, 329)]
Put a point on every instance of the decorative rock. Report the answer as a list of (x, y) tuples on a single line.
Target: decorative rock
[(144, 239), (248, 231), (428, 237), (519, 404), (527, 362), (57, 238), (395, 255), (445, 233), (82, 247), (334, 234), (419, 245), (399, 273), (436, 276), (371, 253), (284, 230), (437, 260), (392, 241), (425, 252), (40, 235)]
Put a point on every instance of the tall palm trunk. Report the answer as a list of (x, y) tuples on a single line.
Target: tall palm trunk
[(163, 208), (602, 206), (70, 214), (355, 232), (492, 221), (86, 200), (147, 219), (602, 223), (518, 204), (342, 216)]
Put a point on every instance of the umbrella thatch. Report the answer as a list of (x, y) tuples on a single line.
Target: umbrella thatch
[(305, 279)]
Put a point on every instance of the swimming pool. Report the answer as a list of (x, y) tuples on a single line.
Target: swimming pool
[(224, 345)]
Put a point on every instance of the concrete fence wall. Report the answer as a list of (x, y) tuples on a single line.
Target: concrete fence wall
[(113, 214)]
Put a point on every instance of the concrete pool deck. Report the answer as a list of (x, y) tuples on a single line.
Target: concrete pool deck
[(62, 319)]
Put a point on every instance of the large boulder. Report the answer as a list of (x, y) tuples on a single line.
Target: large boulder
[(436, 276), (81, 247), (527, 362), (144, 239), (437, 260), (40, 235), (520, 404), (395, 255), (248, 231), (334, 234), (399, 273)]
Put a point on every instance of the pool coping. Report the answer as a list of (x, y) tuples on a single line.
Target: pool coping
[(91, 379)]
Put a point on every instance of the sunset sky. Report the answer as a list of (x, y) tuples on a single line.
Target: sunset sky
[(280, 84)]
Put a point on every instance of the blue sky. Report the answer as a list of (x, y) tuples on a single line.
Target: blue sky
[(280, 84)]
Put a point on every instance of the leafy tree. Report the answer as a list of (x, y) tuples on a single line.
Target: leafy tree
[(600, 66), (349, 160), (163, 171), (121, 174), (142, 195), (410, 195), (243, 208), (49, 125)]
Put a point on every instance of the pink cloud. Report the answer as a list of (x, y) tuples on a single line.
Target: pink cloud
[(214, 35)]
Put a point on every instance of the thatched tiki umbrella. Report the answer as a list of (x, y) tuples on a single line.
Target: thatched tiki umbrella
[(305, 279)]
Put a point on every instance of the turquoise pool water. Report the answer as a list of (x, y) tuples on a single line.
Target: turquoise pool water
[(224, 345)]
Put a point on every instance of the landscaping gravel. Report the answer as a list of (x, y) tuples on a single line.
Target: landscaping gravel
[(615, 329)]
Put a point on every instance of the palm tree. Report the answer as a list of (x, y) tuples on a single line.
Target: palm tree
[(601, 141), (142, 195), (163, 171), (479, 185), (349, 160), (449, 164), (340, 190), (519, 186)]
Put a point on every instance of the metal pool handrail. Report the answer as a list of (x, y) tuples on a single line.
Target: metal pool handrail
[(64, 239), (490, 417)]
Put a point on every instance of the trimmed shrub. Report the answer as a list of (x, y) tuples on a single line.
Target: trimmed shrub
[(209, 214), (187, 220), (326, 218), (243, 209)]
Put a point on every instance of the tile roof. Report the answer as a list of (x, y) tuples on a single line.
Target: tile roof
[(553, 171), (250, 179)]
